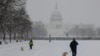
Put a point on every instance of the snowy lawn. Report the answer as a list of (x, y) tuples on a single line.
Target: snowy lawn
[(55, 48)]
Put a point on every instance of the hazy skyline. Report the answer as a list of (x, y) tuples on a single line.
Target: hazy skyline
[(73, 11)]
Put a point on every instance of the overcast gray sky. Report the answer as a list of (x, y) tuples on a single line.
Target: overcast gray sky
[(73, 11)]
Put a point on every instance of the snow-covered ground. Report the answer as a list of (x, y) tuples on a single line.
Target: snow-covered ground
[(55, 48)]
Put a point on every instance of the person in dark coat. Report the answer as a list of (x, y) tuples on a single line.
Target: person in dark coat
[(73, 46), (31, 43)]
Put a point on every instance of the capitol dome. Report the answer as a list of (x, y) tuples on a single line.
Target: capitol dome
[(56, 28), (56, 16)]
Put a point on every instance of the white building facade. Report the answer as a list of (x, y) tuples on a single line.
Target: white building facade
[(56, 28)]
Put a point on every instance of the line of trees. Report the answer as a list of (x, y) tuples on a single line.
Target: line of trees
[(85, 32), (39, 30), (14, 20)]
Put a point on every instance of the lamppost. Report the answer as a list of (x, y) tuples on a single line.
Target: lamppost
[(66, 33), (49, 37)]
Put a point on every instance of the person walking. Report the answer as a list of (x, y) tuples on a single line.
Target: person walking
[(73, 46), (31, 43)]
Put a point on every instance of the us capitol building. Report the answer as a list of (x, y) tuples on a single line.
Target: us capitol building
[(56, 27)]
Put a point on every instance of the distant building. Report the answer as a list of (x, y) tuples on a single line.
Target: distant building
[(56, 27)]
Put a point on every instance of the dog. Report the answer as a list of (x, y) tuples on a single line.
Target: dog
[(22, 48), (65, 54)]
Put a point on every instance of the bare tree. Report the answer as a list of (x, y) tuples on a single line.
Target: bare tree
[(83, 32), (12, 16), (75, 31), (22, 23), (98, 32), (91, 32), (39, 29)]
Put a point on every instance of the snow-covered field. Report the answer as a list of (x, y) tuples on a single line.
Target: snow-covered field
[(55, 48)]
